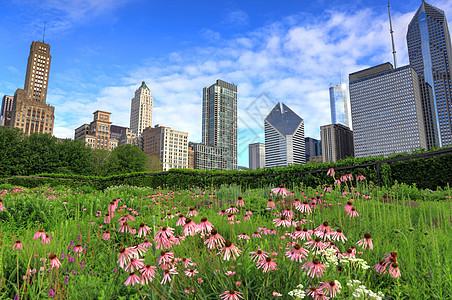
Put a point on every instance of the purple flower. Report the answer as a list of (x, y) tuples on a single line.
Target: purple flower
[(66, 279), (73, 272), (51, 294), (82, 264), (17, 297)]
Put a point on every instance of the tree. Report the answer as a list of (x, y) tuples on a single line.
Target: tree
[(11, 152), (75, 157), (153, 163), (126, 159), (99, 162), (40, 153)]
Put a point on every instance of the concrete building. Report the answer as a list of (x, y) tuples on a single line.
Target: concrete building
[(284, 137), (169, 145), (337, 142), (141, 109), (315, 159), (430, 54), (313, 147), (30, 112), (207, 157), (219, 121), (191, 156), (386, 111), (7, 107), (256, 156), (339, 105), (97, 134), (128, 137)]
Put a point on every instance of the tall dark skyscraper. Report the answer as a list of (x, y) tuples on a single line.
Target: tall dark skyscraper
[(430, 55)]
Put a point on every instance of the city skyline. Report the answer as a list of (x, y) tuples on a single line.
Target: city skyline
[(272, 52)]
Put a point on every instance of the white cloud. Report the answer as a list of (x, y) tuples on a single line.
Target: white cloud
[(236, 18)]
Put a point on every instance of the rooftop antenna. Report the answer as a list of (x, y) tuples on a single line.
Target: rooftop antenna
[(392, 37), (340, 76), (44, 32)]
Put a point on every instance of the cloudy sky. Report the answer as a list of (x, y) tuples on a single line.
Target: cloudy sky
[(289, 51)]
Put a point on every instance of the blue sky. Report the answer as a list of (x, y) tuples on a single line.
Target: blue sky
[(287, 51)]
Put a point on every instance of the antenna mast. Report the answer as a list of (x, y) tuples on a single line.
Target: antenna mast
[(392, 37), (44, 32)]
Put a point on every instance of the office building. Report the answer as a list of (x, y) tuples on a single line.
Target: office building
[(284, 137), (128, 137), (208, 157), (313, 147), (256, 156), (339, 105), (219, 121), (191, 156), (30, 112), (141, 109), (7, 107), (430, 54), (386, 111), (168, 145), (337, 143), (97, 134)]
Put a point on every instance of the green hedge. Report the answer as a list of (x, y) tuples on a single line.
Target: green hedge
[(424, 172)]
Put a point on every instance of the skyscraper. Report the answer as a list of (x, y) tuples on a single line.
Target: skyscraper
[(284, 137), (219, 121), (339, 105), (7, 107), (256, 156), (386, 111), (429, 49), (97, 134), (337, 142), (313, 147), (30, 111), (141, 109)]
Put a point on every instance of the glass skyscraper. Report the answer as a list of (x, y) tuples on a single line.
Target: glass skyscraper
[(430, 56), (338, 105)]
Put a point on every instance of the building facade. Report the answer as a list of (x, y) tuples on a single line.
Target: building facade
[(128, 137), (313, 147), (191, 156), (141, 109), (339, 105), (208, 157), (7, 107), (256, 156), (168, 145), (430, 54), (337, 143), (97, 134), (219, 121), (284, 137), (386, 111), (30, 112)]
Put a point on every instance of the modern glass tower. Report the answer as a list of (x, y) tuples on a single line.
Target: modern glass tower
[(338, 105), (429, 49)]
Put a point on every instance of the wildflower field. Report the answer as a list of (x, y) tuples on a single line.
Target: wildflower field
[(354, 240)]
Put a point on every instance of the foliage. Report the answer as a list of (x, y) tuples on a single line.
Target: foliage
[(126, 159)]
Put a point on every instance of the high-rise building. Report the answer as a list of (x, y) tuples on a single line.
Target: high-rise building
[(141, 109), (30, 111), (257, 156), (313, 147), (339, 105), (191, 156), (168, 145), (386, 111), (208, 157), (97, 134), (127, 137), (219, 121), (7, 107), (337, 142), (284, 137), (430, 53)]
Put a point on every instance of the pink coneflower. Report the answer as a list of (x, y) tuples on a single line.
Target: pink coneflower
[(330, 171), (181, 220), (134, 264), (146, 244), (167, 273), (106, 235), (337, 182), (248, 212), (187, 262), (190, 227), (348, 206), (147, 273), (45, 239), (297, 253), (54, 262), (327, 188), (190, 272), (133, 279), (258, 255), (270, 204), (349, 176), (281, 190), (276, 294), (40, 234), (215, 239), (222, 212), (165, 257), (304, 208), (366, 241), (244, 236), (256, 235), (353, 213), (350, 252), (231, 217), (107, 219), (164, 237), (125, 254), (324, 227), (247, 217), (192, 212), (124, 228), (381, 267), (78, 248), (314, 267), (338, 235), (267, 264), (316, 244), (313, 292), (144, 230), (204, 225), (232, 210), (282, 221), (330, 288), (231, 295), (240, 202), (288, 213), (18, 245), (343, 178), (229, 250), (360, 177), (303, 234), (394, 270), (230, 273), (264, 230)]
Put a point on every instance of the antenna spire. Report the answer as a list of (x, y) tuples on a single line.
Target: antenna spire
[(44, 32), (340, 76), (392, 38)]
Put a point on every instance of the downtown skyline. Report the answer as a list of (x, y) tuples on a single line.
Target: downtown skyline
[(291, 55)]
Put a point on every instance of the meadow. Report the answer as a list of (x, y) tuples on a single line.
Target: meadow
[(352, 240)]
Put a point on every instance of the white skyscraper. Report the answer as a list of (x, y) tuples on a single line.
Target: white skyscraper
[(257, 156), (284, 138), (141, 109)]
